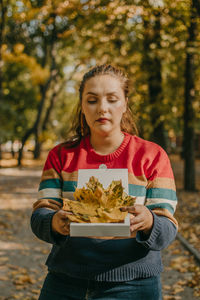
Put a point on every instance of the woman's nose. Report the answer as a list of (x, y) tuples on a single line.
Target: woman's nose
[(102, 107)]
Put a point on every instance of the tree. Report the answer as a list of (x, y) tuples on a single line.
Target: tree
[(48, 32), (189, 114), (153, 67), (3, 10)]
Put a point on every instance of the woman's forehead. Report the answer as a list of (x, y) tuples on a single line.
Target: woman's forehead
[(103, 83)]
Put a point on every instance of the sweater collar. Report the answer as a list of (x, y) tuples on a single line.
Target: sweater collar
[(109, 157)]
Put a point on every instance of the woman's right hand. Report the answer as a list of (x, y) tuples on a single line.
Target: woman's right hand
[(61, 223)]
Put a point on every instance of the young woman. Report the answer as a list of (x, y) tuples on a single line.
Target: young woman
[(106, 268)]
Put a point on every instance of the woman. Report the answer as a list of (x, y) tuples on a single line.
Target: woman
[(102, 268)]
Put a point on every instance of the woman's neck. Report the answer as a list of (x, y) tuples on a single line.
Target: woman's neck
[(106, 144)]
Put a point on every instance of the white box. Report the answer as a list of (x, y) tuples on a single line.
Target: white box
[(101, 229), (105, 177)]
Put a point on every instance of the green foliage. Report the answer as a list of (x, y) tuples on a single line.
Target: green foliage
[(18, 104)]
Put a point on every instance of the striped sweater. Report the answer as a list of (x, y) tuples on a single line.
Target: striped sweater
[(150, 180)]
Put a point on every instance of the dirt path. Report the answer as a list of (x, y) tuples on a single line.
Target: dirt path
[(22, 255)]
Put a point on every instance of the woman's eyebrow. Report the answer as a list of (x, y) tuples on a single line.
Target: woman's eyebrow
[(112, 93), (91, 93)]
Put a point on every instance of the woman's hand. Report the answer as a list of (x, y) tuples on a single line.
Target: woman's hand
[(140, 218), (60, 222)]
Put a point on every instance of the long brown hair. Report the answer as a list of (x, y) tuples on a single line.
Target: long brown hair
[(80, 127)]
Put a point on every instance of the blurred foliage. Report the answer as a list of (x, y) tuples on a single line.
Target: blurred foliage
[(46, 46)]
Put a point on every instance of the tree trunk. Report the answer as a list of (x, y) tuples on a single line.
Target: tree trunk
[(24, 139), (189, 114), (36, 128), (37, 149), (196, 4), (3, 9), (54, 73), (57, 89), (153, 67), (0, 155), (12, 150)]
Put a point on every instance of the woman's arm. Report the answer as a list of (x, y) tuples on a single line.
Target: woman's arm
[(47, 222), (49, 225), (154, 232), (163, 232)]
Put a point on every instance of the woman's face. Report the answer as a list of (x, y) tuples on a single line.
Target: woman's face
[(103, 104)]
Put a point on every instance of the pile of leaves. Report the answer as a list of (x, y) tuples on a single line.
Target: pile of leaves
[(94, 204), (188, 216)]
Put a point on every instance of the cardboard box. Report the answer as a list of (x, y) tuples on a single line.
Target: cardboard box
[(101, 229), (105, 176)]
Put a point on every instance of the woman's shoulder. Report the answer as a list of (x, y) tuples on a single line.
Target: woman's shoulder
[(65, 147), (144, 143), (146, 146)]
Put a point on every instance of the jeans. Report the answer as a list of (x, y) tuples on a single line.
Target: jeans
[(57, 288)]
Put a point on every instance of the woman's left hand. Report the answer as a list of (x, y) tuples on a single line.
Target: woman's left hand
[(141, 219)]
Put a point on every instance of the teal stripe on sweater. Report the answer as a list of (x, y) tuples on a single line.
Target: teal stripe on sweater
[(161, 205), (136, 190), (69, 186), (161, 193), (50, 183)]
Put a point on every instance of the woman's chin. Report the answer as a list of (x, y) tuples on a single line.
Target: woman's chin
[(101, 131)]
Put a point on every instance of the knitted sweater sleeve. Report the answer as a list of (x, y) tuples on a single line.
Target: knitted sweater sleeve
[(161, 190), (161, 199), (49, 200)]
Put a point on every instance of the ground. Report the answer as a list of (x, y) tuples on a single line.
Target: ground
[(22, 255)]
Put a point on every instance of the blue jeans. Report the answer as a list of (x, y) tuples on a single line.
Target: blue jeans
[(57, 288)]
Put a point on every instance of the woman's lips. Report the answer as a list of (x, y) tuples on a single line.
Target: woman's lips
[(102, 120)]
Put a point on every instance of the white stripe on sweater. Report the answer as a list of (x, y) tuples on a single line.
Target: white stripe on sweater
[(49, 193)]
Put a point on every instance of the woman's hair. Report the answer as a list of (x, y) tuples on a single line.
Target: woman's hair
[(80, 127)]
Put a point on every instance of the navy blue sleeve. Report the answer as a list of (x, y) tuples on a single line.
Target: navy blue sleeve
[(162, 234), (41, 220)]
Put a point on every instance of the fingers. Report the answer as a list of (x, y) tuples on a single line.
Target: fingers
[(135, 209), (140, 218), (64, 214), (135, 219), (137, 226), (64, 228), (129, 209), (48, 203), (60, 222)]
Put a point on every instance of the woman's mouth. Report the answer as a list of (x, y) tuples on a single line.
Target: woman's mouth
[(102, 120)]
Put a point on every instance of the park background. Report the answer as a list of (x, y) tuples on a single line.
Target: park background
[(45, 48)]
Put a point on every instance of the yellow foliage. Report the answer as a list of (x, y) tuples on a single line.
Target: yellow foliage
[(18, 48), (32, 13), (66, 33), (27, 15), (64, 7), (42, 27), (95, 204), (4, 48), (38, 74), (27, 4)]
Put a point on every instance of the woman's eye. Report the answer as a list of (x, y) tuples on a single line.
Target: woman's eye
[(92, 100), (112, 99)]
